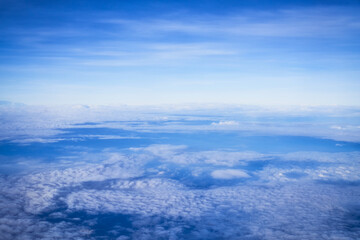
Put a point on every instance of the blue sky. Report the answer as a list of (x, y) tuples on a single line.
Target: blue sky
[(175, 52)]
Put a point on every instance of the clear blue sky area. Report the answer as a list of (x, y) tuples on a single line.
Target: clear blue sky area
[(175, 52)]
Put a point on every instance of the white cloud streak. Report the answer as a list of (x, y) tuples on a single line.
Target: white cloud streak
[(26, 124), (301, 22)]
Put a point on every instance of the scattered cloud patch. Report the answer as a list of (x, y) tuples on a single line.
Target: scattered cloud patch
[(229, 174), (42, 124), (178, 191), (225, 123)]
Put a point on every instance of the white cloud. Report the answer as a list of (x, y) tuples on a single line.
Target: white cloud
[(37, 140), (229, 174), (325, 157), (280, 201), (285, 196), (180, 155), (301, 22), (225, 123), (26, 124), (18, 224), (162, 150), (272, 207)]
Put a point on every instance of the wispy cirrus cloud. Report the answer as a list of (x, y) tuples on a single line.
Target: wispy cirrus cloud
[(300, 22), (302, 49)]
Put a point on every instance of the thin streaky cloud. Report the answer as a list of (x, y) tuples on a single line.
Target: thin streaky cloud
[(310, 53), (326, 22)]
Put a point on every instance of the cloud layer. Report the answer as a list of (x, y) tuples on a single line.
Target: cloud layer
[(275, 202), (91, 172)]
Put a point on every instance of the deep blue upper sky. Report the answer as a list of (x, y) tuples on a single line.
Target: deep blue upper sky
[(158, 52)]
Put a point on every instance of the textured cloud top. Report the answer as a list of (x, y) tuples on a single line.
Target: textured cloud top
[(125, 173)]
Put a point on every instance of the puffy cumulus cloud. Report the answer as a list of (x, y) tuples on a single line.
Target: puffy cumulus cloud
[(325, 157), (182, 156), (337, 173), (229, 174), (24, 198), (18, 224), (114, 165), (41, 188), (162, 150), (178, 154), (150, 197), (27, 227), (281, 200), (218, 158), (331, 174), (299, 211), (313, 166)]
